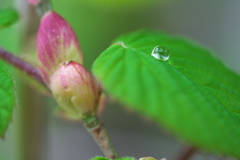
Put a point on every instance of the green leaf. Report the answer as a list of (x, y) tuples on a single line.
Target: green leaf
[(7, 99), (192, 94), (100, 158), (103, 158), (7, 17)]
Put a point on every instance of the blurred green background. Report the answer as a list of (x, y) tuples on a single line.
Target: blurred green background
[(37, 133)]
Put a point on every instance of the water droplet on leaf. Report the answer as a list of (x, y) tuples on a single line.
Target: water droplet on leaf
[(161, 53)]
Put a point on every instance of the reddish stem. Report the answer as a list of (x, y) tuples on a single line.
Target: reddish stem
[(186, 153), (100, 135), (22, 65)]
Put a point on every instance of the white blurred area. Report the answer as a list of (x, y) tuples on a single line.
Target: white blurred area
[(213, 23)]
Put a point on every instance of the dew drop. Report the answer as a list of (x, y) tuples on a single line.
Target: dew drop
[(161, 53)]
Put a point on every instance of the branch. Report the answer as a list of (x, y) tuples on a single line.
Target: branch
[(99, 133), (186, 153), (21, 65)]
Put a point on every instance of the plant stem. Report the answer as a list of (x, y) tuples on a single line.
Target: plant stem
[(22, 65), (186, 153), (43, 7), (99, 133)]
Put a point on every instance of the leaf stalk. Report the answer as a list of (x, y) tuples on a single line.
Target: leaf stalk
[(100, 135), (187, 153)]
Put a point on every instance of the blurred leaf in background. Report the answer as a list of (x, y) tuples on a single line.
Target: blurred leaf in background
[(10, 35), (8, 17), (122, 4)]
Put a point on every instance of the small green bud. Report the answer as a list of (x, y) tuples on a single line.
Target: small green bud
[(75, 90)]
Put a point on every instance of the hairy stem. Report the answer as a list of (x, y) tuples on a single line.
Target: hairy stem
[(22, 65), (186, 153), (99, 133), (43, 7)]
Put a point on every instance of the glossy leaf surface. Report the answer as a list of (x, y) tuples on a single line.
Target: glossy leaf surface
[(192, 93)]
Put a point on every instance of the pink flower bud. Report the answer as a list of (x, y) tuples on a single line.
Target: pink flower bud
[(75, 90), (56, 43), (33, 2)]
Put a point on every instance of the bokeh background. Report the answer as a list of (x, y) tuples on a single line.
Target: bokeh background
[(36, 133)]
